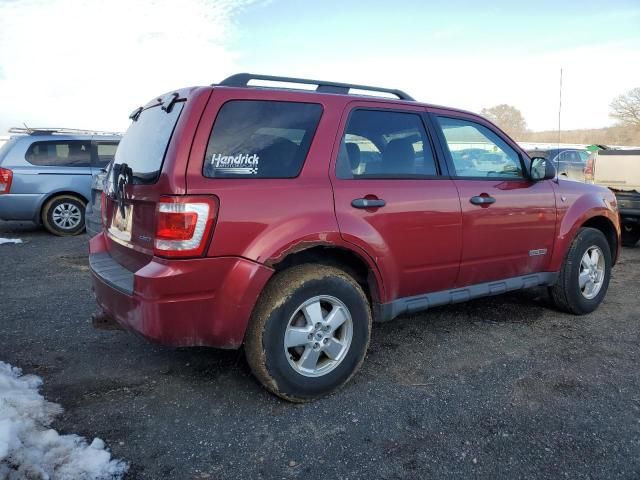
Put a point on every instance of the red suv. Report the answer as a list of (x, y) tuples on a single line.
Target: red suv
[(288, 220)]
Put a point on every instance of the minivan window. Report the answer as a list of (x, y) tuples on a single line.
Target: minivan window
[(385, 144), (145, 142), (260, 139), (59, 153), (105, 152)]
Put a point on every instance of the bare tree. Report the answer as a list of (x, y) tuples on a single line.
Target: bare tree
[(626, 108), (508, 118)]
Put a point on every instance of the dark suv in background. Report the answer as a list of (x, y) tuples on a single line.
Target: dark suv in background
[(569, 162), (287, 221), (46, 174)]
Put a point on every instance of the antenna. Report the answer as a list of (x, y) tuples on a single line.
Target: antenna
[(559, 127)]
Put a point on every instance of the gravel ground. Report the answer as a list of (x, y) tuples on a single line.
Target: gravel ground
[(496, 388)]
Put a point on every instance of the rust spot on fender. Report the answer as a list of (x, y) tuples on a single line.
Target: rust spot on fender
[(296, 248)]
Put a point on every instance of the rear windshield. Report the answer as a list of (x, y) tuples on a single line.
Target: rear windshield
[(261, 139), (145, 143), (4, 148)]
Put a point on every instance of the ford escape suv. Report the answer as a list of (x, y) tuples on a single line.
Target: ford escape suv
[(45, 176), (286, 221)]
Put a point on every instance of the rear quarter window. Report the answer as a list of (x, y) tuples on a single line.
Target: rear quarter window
[(260, 139), (105, 153), (59, 153)]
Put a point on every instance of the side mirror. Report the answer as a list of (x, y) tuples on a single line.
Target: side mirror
[(542, 169)]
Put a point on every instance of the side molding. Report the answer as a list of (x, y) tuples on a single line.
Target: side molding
[(389, 311)]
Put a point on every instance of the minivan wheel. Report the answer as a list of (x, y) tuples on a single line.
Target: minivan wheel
[(309, 332), (630, 235), (584, 276), (64, 215)]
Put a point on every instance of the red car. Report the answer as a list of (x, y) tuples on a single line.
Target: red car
[(288, 220)]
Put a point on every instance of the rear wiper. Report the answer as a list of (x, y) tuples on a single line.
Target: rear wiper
[(169, 105), (135, 115)]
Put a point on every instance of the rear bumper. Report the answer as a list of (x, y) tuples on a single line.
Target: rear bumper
[(17, 206), (629, 207), (630, 215), (199, 302)]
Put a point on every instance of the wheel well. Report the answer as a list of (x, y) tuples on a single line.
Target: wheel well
[(606, 227), (337, 257), (59, 194)]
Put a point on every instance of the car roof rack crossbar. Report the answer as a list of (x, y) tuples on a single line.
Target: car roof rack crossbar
[(243, 79), (59, 131)]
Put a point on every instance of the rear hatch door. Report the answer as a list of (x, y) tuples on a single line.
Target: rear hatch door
[(150, 161)]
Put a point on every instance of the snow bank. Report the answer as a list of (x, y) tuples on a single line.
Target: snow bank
[(10, 240), (29, 449)]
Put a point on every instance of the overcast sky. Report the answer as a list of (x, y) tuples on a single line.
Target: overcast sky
[(88, 64)]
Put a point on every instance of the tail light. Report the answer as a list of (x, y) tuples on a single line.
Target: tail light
[(103, 208), (184, 225), (6, 177), (588, 170)]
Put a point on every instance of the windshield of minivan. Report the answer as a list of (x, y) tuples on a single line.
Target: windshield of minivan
[(145, 143)]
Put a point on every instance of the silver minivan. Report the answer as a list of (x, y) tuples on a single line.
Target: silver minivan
[(46, 174)]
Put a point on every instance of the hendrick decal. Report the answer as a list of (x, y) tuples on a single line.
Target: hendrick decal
[(243, 163)]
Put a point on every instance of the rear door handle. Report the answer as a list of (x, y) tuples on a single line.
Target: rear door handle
[(482, 200), (368, 203)]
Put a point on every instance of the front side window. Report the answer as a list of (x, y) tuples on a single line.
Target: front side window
[(477, 152), (60, 153), (385, 144), (261, 139)]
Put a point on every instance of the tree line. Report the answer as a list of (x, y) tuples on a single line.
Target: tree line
[(624, 108)]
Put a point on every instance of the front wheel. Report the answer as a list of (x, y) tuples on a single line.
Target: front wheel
[(584, 276), (309, 332)]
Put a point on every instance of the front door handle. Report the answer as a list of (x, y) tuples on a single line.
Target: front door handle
[(482, 200), (368, 203)]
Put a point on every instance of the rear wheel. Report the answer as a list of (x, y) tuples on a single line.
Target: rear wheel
[(584, 276), (309, 332), (64, 215), (630, 235)]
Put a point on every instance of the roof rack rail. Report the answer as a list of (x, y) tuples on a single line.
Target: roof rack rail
[(243, 79), (59, 131)]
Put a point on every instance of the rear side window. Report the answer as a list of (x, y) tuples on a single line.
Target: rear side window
[(384, 144), (260, 139), (145, 143), (60, 153), (105, 152)]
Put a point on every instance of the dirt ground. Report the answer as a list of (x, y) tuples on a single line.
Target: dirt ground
[(504, 387)]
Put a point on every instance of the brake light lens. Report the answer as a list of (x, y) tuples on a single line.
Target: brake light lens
[(588, 170), (184, 225), (103, 208), (6, 177)]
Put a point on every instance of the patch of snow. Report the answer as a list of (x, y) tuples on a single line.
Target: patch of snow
[(10, 240), (30, 449)]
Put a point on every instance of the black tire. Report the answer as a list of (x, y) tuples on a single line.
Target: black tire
[(281, 299), (566, 293), (67, 203), (630, 235)]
